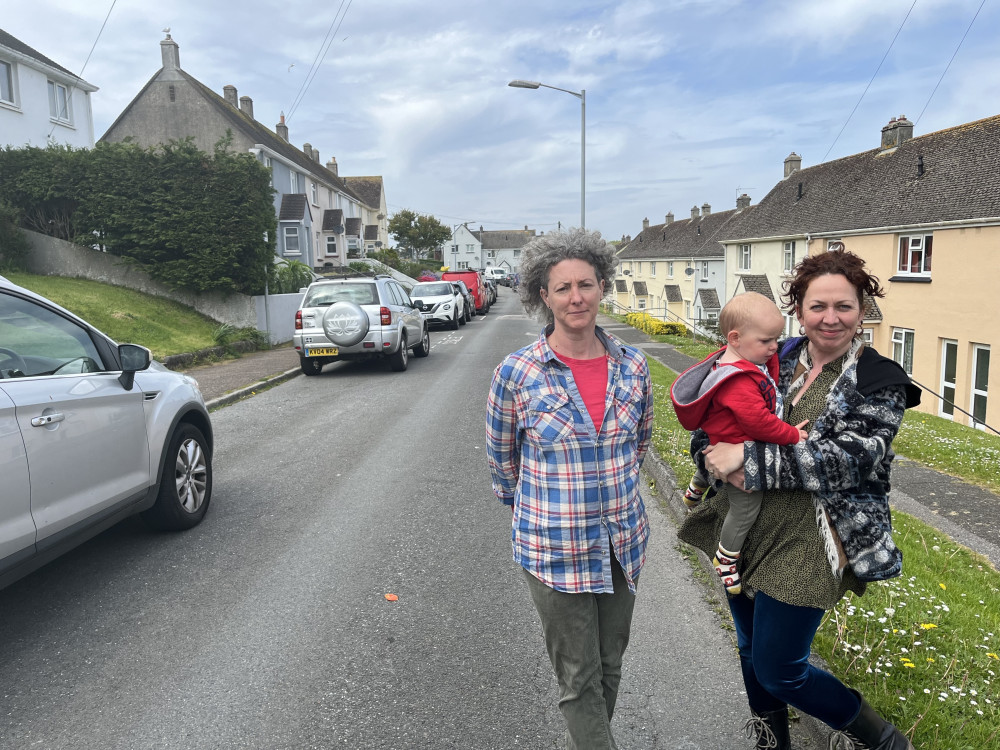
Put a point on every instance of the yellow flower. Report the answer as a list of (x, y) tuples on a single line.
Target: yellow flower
[(992, 655), (930, 659), (943, 586), (928, 625), (909, 664)]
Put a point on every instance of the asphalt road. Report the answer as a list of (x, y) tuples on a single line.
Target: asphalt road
[(267, 626)]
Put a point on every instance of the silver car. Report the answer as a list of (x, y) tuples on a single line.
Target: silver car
[(90, 432), (358, 318)]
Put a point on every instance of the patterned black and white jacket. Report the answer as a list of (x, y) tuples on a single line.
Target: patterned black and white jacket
[(845, 463)]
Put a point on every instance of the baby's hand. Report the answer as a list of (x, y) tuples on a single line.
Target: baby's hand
[(803, 434)]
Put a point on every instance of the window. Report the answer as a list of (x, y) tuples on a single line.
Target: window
[(58, 102), (292, 241), (902, 348), (331, 245), (949, 360), (652, 268), (638, 267), (491, 254), (313, 193), (293, 181), (915, 255), (454, 248), (469, 248), (791, 325), (789, 256), (744, 263), (704, 270), (6, 82), (866, 336), (463, 264), (641, 303), (270, 168), (834, 246), (670, 269), (43, 342), (980, 383)]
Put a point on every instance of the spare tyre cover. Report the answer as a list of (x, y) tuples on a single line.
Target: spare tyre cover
[(345, 323)]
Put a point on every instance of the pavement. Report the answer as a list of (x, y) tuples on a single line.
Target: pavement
[(966, 513)]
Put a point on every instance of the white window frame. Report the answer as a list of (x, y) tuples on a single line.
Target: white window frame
[(790, 324), (915, 249), (291, 232), (314, 193), (830, 245), (788, 257), (470, 248), (8, 80), (670, 269), (979, 390), (331, 245), (652, 268), (867, 336), (65, 116), (745, 257), (462, 265), (293, 181), (704, 270), (270, 168), (903, 344), (945, 385), (638, 267), (640, 303)]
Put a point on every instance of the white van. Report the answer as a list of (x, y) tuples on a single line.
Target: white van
[(495, 273)]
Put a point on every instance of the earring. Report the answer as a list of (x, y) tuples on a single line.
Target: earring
[(860, 331), (802, 330)]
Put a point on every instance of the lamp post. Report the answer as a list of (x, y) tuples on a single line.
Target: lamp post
[(582, 96)]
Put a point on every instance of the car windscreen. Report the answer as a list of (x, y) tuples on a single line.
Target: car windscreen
[(431, 290), (326, 295)]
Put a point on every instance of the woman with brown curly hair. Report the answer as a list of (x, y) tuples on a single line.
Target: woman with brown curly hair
[(824, 528)]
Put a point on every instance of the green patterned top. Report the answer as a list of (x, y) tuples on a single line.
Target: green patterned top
[(783, 554)]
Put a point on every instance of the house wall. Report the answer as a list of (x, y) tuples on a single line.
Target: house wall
[(462, 237), (765, 258), (938, 311), (27, 121)]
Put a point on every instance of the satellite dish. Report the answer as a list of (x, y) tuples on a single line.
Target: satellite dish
[(688, 271), (339, 229)]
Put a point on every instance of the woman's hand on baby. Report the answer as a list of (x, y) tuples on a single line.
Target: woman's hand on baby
[(803, 433), (722, 459)]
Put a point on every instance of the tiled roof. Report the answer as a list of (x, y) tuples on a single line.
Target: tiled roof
[(960, 181), (872, 312), (639, 287), (293, 207), (371, 231), (755, 283), (709, 299), (15, 44), (673, 293), (621, 285), (369, 189), (504, 239), (333, 218), (686, 238), (353, 227)]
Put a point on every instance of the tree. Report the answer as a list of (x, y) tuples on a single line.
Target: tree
[(417, 234)]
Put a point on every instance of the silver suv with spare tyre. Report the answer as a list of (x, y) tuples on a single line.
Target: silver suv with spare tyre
[(358, 318)]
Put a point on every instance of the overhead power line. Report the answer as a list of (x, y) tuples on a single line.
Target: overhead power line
[(960, 43), (324, 47)]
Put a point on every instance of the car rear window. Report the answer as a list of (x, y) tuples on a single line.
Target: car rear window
[(326, 295)]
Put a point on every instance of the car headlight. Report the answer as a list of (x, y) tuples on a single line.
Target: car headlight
[(447, 306)]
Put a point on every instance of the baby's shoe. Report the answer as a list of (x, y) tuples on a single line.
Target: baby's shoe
[(693, 494), (725, 565)]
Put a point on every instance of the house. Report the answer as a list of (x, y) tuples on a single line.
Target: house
[(502, 247), (375, 218), (41, 102), (924, 213), (463, 250), (676, 270), (320, 219)]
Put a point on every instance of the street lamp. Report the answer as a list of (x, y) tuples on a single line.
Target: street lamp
[(582, 96)]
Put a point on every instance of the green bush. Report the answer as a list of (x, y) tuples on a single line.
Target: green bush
[(13, 244), (290, 276)]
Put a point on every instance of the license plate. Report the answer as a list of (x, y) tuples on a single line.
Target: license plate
[(328, 351)]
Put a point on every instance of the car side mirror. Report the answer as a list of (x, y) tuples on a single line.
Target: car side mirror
[(133, 359)]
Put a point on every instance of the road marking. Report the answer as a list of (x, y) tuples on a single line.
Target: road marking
[(451, 338)]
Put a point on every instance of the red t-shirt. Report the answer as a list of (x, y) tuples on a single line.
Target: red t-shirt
[(591, 377)]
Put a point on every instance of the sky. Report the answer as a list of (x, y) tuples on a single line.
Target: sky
[(687, 101)]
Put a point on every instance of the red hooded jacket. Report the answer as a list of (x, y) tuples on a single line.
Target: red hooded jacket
[(738, 402)]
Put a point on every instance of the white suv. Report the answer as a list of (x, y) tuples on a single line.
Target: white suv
[(439, 302), (358, 318)]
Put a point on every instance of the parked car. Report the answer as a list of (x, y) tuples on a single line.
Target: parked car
[(358, 318), (491, 290), (470, 302), (474, 281), (496, 274), (91, 432), (439, 302)]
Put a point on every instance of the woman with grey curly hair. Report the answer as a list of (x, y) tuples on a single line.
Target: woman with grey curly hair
[(569, 419)]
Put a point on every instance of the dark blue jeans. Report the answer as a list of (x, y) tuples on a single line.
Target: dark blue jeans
[(774, 641)]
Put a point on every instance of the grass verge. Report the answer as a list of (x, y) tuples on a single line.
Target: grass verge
[(163, 326), (923, 649)]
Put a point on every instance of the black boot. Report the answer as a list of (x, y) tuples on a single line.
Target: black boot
[(869, 731), (769, 729)]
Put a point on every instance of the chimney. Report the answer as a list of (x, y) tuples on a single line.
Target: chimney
[(281, 129), (896, 133), (670, 218), (525, 227), (793, 163), (332, 166), (905, 130), (743, 202), (645, 224), (170, 53), (705, 209), (246, 106), (694, 212), (307, 149), (229, 92), (316, 154)]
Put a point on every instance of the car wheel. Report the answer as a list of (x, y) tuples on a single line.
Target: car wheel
[(454, 321), (186, 484), (345, 323), (424, 347), (311, 366), (465, 316), (401, 357)]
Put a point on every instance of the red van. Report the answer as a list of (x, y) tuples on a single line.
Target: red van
[(475, 283)]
